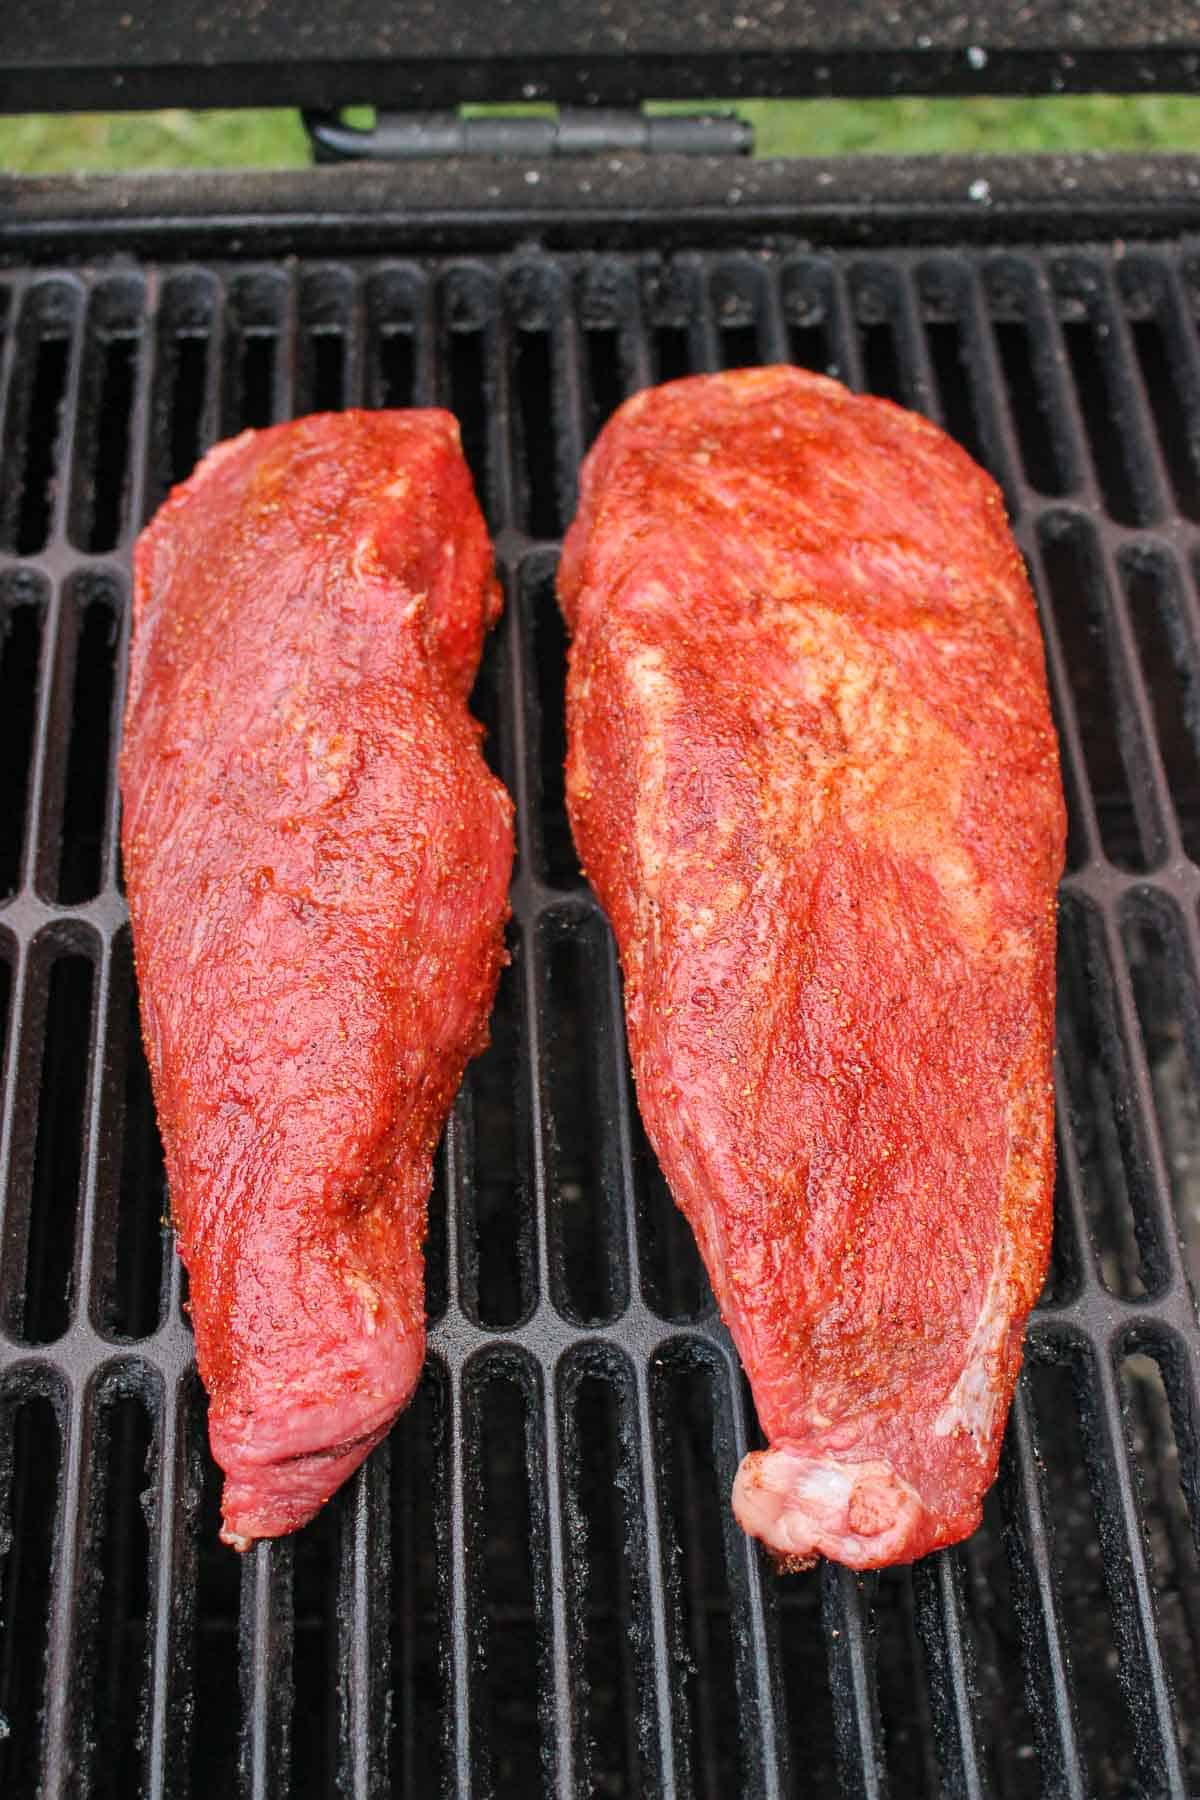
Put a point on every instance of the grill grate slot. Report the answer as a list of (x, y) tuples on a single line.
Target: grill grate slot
[(42, 347), (1107, 397), (944, 300), (707, 1738), (607, 386), (114, 1648), (43, 1310), (1024, 344), (213, 1654), (468, 352), (254, 374), (614, 1664), (587, 1277), (533, 305), (1059, 1392), (100, 472), (314, 1560), (886, 372), (673, 1278), (546, 637), (133, 1281), (510, 1644), (396, 299), (1171, 1542), (536, 1587), (1099, 1129), (22, 612), (1126, 804), (738, 299), (1171, 669), (1154, 950), (497, 1249), (30, 1452), (420, 1718), (1168, 370), (90, 730)]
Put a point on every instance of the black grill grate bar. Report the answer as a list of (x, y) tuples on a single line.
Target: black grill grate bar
[(217, 345), (44, 720), (1048, 1685), (706, 339), (1181, 1373), (1085, 1316), (60, 1736), (1070, 1207), (847, 352), (938, 1594), (17, 291), (773, 323), (502, 468), (631, 309), (755, 1648), (671, 1764), (265, 1638), (286, 396), (557, 1693), (425, 376), (68, 412), (97, 1103), (660, 1714), (520, 776), (17, 1117), (135, 513), (571, 392), (354, 345), (561, 1729), (1127, 1573), (847, 1605), (172, 1600), (364, 1643), (465, 1751)]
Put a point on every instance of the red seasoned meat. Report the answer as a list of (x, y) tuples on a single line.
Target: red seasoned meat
[(317, 863), (813, 778)]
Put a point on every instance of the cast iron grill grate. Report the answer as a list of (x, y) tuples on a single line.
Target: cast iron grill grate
[(535, 1585)]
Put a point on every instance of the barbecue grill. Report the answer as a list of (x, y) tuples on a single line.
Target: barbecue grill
[(535, 1585)]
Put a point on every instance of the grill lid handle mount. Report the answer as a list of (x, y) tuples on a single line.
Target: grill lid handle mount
[(572, 131)]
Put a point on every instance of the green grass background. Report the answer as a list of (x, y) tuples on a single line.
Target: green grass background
[(55, 144)]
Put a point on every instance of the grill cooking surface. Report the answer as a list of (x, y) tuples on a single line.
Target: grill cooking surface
[(535, 1585)]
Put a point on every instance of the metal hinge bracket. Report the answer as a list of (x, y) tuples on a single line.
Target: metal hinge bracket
[(573, 131)]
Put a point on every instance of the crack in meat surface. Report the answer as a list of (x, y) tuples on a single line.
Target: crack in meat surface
[(813, 778), (317, 863)]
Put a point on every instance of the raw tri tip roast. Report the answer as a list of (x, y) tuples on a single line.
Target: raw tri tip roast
[(813, 778), (317, 862)]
